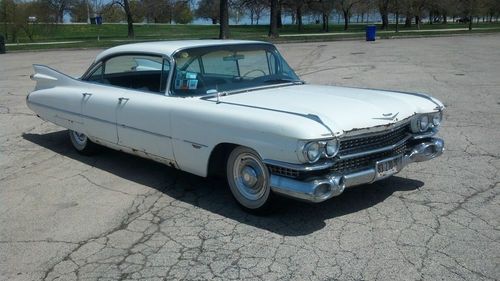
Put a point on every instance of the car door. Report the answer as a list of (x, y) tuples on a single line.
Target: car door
[(143, 113), (98, 106), (143, 123)]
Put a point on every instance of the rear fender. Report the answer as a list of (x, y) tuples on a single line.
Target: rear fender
[(47, 77)]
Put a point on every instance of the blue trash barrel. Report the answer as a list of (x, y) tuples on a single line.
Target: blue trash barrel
[(371, 32), (98, 20)]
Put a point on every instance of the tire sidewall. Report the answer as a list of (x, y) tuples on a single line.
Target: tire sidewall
[(78, 146), (251, 205)]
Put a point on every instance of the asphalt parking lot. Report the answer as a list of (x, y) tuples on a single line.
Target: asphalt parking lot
[(113, 216)]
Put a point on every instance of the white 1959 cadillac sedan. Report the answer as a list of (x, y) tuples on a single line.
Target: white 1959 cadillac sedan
[(236, 108)]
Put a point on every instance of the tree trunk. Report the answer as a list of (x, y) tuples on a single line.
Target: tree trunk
[(280, 22), (325, 22), (445, 18), (299, 18), (417, 22), (397, 19), (470, 23), (224, 20), (251, 17), (384, 13), (130, 21), (385, 21), (214, 21), (408, 20), (346, 19), (431, 17), (273, 23)]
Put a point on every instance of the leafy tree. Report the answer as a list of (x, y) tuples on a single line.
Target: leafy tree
[(158, 10), (80, 11), (112, 13), (57, 8), (255, 8), (208, 9), (127, 8), (297, 8), (346, 7), (325, 8), (182, 12)]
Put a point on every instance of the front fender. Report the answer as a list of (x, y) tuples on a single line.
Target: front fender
[(200, 126)]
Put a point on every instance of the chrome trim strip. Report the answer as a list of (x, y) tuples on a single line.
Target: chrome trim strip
[(367, 152), (100, 120), (144, 131), (66, 119), (395, 126), (421, 95), (195, 143), (300, 167), (377, 130), (312, 117)]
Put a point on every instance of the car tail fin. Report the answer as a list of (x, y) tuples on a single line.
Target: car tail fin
[(47, 77)]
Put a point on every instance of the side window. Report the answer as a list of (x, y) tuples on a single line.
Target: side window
[(96, 76), (139, 72)]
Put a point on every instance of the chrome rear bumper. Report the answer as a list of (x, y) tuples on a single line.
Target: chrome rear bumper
[(322, 188)]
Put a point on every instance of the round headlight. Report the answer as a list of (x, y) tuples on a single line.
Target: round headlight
[(423, 123), (331, 148), (436, 118), (312, 151)]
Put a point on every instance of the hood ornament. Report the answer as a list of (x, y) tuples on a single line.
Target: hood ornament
[(387, 116)]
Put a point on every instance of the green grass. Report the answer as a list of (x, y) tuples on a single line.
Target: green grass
[(116, 34)]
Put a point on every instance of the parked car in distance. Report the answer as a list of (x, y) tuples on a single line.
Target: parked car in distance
[(237, 108)]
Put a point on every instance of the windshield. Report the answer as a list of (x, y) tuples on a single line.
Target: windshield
[(208, 70)]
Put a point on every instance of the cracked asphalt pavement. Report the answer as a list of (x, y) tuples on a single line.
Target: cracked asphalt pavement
[(113, 216)]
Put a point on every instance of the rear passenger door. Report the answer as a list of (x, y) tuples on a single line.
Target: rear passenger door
[(127, 105)]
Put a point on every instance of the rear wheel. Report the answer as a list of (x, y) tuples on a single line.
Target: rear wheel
[(249, 180), (82, 143)]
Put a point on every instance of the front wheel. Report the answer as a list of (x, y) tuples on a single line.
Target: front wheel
[(249, 180), (82, 143)]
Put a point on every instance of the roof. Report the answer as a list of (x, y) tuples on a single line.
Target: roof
[(169, 47)]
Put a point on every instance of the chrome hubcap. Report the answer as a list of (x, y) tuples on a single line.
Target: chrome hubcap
[(80, 138), (249, 177)]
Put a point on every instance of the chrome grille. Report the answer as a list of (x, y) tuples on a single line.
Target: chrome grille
[(363, 162), (281, 171), (360, 144), (357, 145)]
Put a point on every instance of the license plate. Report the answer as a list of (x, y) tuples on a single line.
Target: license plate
[(388, 167)]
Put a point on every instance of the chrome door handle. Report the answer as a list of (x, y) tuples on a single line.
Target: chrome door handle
[(86, 94), (120, 100)]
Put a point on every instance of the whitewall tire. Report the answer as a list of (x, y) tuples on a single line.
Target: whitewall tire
[(249, 180)]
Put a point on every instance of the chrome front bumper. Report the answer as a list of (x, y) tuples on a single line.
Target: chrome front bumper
[(325, 187)]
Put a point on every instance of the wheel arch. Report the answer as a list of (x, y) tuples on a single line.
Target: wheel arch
[(218, 158)]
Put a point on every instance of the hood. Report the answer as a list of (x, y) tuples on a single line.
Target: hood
[(341, 109)]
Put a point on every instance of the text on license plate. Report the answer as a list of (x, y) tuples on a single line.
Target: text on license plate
[(388, 167)]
